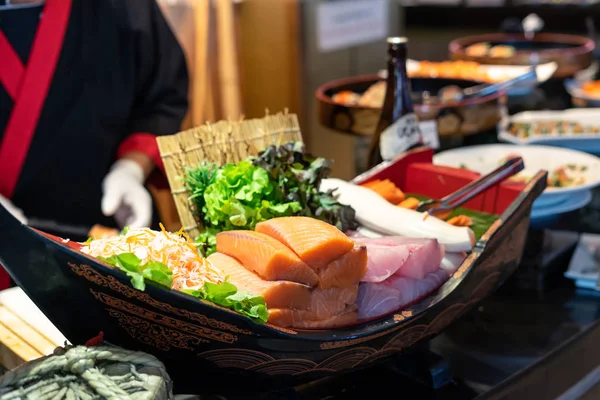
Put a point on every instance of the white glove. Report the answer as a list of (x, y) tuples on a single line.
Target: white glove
[(125, 196), (16, 212)]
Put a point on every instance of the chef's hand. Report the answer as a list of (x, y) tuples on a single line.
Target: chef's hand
[(16, 212), (125, 196)]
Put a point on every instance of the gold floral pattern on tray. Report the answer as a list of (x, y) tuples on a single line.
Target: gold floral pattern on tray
[(112, 283), (165, 320), (158, 336)]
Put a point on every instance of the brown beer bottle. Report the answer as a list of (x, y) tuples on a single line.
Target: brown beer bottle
[(398, 128)]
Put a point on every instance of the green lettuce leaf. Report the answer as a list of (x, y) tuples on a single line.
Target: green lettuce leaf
[(227, 295), (238, 196), (153, 271)]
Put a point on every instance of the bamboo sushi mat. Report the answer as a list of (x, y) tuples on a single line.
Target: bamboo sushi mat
[(25, 332)]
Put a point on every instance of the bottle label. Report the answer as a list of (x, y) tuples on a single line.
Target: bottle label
[(429, 133), (399, 136)]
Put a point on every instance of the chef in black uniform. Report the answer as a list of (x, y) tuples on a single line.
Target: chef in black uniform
[(85, 87)]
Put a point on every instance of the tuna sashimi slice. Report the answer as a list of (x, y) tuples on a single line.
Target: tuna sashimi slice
[(269, 258), (384, 261), (287, 318), (399, 255), (377, 299), (317, 243), (285, 294), (346, 271)]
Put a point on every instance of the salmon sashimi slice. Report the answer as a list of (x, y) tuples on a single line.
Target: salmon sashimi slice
[(326, 303), (317, 243), (285, 294), (346, 271), (266, 256), (287, 318), (277, 294)]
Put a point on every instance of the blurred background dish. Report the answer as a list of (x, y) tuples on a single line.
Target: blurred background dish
[(542, 217), (570, 172), (583, 93), (576, 129), (584, 267), (572, 53), (353, 106), (481, 72)]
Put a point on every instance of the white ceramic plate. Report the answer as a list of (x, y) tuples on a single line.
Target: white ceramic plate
[(575, 201), (486, 158), (589, 143)]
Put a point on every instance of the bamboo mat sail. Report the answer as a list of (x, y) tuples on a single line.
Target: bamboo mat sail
[(219, 143)]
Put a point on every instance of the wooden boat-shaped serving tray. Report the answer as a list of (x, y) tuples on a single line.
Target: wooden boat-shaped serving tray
[(206, 348)]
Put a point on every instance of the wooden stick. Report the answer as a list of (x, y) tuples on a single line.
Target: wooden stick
[(228, 63), (201, 77)]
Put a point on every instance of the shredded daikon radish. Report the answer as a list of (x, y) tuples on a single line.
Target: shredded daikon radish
[(190, 270)]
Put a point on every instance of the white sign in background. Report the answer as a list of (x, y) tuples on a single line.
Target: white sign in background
[(342, 24)]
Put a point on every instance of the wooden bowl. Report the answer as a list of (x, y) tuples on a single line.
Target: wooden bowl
[(206, 348), (452, 119), (572, 53)]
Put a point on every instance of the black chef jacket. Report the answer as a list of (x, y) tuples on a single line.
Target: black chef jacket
[(82, 82)]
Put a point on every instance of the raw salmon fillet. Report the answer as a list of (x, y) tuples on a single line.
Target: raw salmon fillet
[(346, 271), (317, 243), (287, 318), (326, 303), (285, 294), (277, 294), (266, 256)]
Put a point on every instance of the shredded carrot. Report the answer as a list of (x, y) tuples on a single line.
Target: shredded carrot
[(190, 270), (460, 220), (410, 202)]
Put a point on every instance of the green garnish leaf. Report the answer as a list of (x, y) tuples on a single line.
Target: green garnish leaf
[(125, 231), (153, 271), (128, 262), (157, 272), (219, 292), (89, 240), (158, 276), (227, 295), (112, 260)]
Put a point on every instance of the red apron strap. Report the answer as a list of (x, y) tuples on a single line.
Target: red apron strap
[(11, 68), (28, 105)]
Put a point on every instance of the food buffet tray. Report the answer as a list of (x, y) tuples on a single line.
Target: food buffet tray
[(572, 53), (495, 73), (567, 137), (451, 119), (208, 347)]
